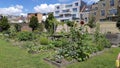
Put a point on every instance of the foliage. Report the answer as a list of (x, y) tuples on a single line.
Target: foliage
[(44, 41), (12, 32), (4, 25), (75, 48), (100, 40), (60, 42), (70, 23), (40, 27), (51, 24), (18, 27), (24, 36), (104, 60), (33, 23), (92, 22)]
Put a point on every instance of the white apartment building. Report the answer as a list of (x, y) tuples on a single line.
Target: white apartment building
[(84, 14), (69, 12)]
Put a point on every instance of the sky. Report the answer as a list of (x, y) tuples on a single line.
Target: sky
[(22, 7)]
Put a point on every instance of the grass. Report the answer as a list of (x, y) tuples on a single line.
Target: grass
[(105, 60), (15, 57)]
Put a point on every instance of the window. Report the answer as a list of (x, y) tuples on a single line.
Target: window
[(96, 8), (58, 7), (86, 19), (81, 16), (76, 4), (74, 9), (57, 16), (66, 10), (74, 15), (113, 12), (35, 14), (67, 6), (111, 2), (94, 13), (103, 4), (56, 12), (102, 12)]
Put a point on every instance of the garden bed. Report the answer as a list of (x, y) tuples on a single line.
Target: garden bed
[(59, 64), (64, 62)]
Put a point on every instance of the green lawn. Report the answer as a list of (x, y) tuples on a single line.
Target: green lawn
[(15, 57), (105, 60)]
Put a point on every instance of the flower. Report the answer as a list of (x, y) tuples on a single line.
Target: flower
[(82, 22)]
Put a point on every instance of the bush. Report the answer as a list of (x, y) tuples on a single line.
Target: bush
[(44, 40), (25, 36)]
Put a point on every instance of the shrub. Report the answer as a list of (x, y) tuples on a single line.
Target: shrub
[(44, 40), (18, 27), (24, 36)]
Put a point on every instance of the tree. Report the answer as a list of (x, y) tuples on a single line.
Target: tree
[(33, 23), (51, 23), (92, 22), (4, 25)]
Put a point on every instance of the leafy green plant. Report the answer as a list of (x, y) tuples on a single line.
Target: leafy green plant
[(44, 41), (18, 27), (24, 36), (12, 32)]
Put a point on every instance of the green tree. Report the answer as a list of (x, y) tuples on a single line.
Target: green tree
[(51, 23), (4, 25), (33, 23), (92, 22)]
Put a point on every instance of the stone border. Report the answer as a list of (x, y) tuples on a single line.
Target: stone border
[(59, 65)]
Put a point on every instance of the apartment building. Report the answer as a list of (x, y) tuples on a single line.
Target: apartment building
[(38, 15), (70, 11), (84, 13), (105, 10)]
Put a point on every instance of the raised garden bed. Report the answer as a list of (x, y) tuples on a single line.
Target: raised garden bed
[(60, 64), (64, 62)]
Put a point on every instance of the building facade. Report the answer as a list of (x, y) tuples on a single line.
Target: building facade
[(38, 15), (105, 10), (84, 14), (69, 12)]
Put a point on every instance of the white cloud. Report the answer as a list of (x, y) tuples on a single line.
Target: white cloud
[(45, 8), (12, 10), (23, 14)]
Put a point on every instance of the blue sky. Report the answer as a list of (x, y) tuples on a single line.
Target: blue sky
[(21, 7)]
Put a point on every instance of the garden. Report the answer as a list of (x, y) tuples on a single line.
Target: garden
[(63, 49)]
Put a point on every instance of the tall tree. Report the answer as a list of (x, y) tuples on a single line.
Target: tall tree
[(4, 25), (51, 23), (34, 23)]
